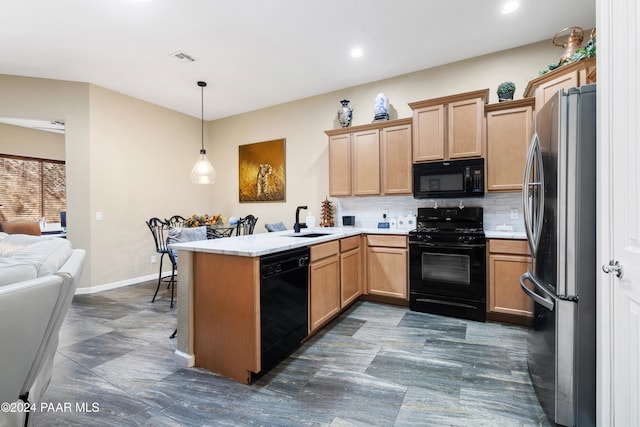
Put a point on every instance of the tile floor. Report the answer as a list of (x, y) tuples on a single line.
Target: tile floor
[(375, 365)]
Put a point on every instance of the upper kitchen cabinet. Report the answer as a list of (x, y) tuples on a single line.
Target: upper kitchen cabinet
[(365, 164), (570, 75), (370, 159), (451, 127), (509, 131), (395, 155), (340, 165)]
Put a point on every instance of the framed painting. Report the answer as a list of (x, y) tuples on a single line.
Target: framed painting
[(261, 171)]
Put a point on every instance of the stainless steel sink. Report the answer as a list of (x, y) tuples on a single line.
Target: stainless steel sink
[(308, 234)]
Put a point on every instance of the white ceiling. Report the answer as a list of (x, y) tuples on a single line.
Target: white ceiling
[(258, 53)]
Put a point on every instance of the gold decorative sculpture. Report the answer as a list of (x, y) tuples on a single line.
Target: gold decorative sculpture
[(326, 214)]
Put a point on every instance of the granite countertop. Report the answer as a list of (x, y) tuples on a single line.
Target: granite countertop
[(497, 234), (267, 243)]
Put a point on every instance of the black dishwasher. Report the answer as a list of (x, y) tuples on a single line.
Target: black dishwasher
[(284, 304)]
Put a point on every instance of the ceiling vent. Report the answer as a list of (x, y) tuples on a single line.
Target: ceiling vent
[(183, 57)]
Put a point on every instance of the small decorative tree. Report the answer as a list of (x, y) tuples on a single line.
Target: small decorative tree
[(505, 91)]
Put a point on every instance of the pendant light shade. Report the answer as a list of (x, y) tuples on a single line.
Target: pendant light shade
[(203, 171)]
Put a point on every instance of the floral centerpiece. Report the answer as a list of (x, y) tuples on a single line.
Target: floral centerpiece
[(200, 220)]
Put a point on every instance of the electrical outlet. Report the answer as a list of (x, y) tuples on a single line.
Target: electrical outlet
[(153, 259), (514, 213)]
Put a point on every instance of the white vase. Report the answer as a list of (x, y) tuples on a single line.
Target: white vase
[(381, 107)]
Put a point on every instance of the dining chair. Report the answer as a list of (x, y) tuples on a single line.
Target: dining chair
[(181, 235), (276, 226), (246, 225), (176, 221), (218, 232), (159, 229)]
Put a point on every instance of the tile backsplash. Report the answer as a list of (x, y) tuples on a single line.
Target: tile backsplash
[(368, 211)]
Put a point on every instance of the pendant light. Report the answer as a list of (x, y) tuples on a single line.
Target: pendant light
[(203, 171)]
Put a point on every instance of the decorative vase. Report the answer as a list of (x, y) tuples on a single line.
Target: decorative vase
[(505, 96), (345, 113), (381, 107)]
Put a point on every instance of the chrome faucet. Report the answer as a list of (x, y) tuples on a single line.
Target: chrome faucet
[(297, 226)]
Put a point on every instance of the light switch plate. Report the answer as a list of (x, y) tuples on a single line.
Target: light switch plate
[(98, 216), (514, 213)]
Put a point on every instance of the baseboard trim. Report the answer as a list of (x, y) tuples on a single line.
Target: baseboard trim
[(186, 359), (114, 285)]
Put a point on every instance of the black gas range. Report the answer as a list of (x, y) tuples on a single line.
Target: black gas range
[(447, 263)]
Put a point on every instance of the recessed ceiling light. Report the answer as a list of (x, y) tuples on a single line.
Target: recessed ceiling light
[(509, 7), (356, 52)]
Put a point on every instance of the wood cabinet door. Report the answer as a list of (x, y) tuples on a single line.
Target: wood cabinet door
[(366, 162), (428, 133), (509, 133), (387, 270), (350, 276), (546, 90), (465, 128), (505, 295), (340, 165), (324, 291), (396, 160)]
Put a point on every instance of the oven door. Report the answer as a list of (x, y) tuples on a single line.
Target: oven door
[(449, 277)]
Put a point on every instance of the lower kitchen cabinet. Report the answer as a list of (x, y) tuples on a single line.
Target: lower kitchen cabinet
[(508, 260), (324, 284), (387, 266), (350, 270)]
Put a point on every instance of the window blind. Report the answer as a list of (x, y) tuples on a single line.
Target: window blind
[(32, 188)]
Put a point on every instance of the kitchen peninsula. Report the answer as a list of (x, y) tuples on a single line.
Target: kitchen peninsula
[(218, 314)]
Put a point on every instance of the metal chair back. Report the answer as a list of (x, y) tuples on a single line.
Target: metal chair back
[(246, 225), (158, 230), (175, 221)]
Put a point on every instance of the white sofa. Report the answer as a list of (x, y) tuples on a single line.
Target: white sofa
[(38, 278)]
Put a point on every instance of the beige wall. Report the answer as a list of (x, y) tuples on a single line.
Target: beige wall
[(125, 158), (303, 123), (141, 156), (131, 160), (31, 98), (21, 141)]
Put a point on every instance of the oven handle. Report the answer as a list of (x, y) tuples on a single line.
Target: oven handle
[(544, 300), (449, 246)]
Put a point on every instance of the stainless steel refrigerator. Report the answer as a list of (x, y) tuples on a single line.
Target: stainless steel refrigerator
[(559, 197)]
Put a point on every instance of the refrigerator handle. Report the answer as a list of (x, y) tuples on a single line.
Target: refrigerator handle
[(533, 195), (544, 300)]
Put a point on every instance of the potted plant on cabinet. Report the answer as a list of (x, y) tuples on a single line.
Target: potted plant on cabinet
[(505, 91)]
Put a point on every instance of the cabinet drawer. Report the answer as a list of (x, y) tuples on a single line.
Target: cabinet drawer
[(324, 250), (516, 247), (349, 243), (387, 241)]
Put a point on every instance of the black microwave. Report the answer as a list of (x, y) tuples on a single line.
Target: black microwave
[(452, 178)]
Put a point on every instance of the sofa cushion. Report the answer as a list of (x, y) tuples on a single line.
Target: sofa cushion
[(16, 242), (12, 271), (47, 255)]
